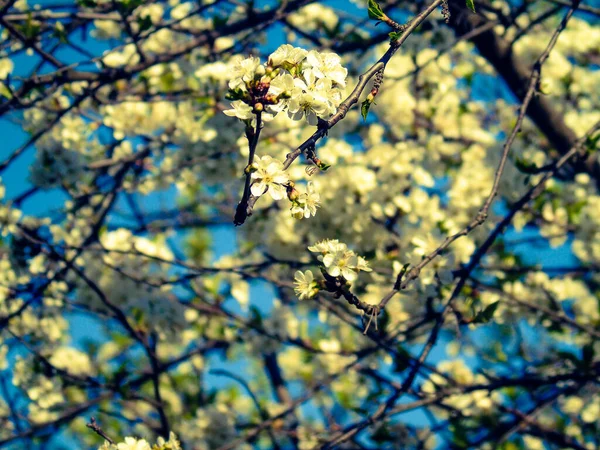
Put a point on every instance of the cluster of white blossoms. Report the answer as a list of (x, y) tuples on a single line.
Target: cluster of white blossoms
[(212, 427), (476, 402), (303, 83), (55, 166), (9, 216), (269, 176), (313, 17), (283, 324), (131, 443), (134, 256), (338, 261), (305, 205)]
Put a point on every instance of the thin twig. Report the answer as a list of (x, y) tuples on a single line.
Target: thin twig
[(93, 425), (482, 215)]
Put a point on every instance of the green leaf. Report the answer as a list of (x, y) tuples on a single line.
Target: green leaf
[(30, 28), (256, 317), (167, 81), (487, 314), (375, 11), (471, 5), (324, 166), (198, 245), (129, 5), (145, 23), (526, 167), (235, 94), (364, 109), (5, 92), (219, 21), (395, 35), (402, 360), (592, 142)]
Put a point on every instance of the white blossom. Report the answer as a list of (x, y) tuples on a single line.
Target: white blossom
[(312, 98), (244, 72), (268, 174), (327, 65), (241, 110), (133, 444), (327, 245), (287, 55), (307, 203), (305, 285), (341, 263), (338, 260)]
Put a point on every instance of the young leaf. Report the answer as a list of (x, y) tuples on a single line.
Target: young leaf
[(364, 109), (324, 166), (395, 35), (471, 5), (145, 23), (219, 21), (592, 142), (486, 315), (255, 317), (526, 167), (375, 11), (402, 360), (30, 28), (5, 91)]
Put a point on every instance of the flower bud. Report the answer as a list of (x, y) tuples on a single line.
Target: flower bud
[(292, 193)]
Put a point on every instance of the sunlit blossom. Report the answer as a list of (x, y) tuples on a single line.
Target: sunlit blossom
[(305, 285), (268, 174)]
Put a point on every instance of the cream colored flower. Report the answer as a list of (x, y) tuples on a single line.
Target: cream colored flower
[(307, 203), (241, 110), (341, 263), (244, 72), (305, 285), (287, 55), (133, 444), (313, 98), (268, 175), (338, 260), (327, 245), (327, 65)]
